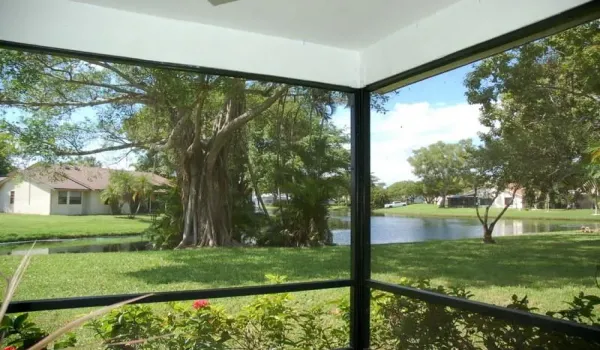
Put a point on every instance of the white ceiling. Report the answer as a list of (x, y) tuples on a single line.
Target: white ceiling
[(349, 43), (350, 24)]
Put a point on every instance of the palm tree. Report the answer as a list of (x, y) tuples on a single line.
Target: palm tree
[(112, 197), (142, 189)]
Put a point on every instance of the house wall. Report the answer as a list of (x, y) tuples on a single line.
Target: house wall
[(517, 202), (65, 209), (93, 205), (30, 198)]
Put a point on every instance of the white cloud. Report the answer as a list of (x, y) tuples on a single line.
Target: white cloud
[(411, 126)]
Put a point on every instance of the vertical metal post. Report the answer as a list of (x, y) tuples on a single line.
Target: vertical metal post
[(361, 219)]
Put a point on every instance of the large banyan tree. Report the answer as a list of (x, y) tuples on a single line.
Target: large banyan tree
[(56, 107)]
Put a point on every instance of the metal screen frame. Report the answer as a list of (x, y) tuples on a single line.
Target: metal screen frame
[(360, 282)]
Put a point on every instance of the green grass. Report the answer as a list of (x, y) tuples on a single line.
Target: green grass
[(18, 227), (549, 268), (429, 210)]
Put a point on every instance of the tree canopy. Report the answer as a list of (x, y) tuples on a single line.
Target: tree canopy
[(6, 151), (542, 100), (203, 130), (405, 190), (442, 166)]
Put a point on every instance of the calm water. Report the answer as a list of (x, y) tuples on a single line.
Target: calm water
[(398, 229), (384, 229), (84, 245)]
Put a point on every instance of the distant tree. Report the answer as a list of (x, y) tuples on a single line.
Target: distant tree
[(442, 166), (126, 188), (156, 162), (6, 150), (379, 195), (142, 191), (429, 192), (88, 161), (405, 190)]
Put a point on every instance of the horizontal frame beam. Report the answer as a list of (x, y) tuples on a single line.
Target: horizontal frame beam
[(511, 315), (161, 297), (10, 45), (552, 25)]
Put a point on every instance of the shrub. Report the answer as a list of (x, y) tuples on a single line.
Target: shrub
[(268, 322), (399, 322), (17, 332), (276, 322)]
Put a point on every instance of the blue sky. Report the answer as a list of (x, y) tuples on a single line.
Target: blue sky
[(432, 110)]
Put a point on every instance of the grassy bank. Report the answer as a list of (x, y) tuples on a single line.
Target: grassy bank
[(549, 268), (429, 210), (17, 227)]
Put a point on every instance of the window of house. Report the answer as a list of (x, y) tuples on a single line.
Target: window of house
[(12, 197), (508, 201), (74, 197), (63, 197)]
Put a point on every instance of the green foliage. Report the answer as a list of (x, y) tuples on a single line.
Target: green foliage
[(268, 322), (305, 158), (540, 103), (165, 231), (6, 151), (397, 322), (405, 191), (379, 197), (85, 161), (443, 167), (404, 323), (126, 188), (19, 332)]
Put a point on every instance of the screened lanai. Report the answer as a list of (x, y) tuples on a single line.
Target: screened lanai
[(358, 48)]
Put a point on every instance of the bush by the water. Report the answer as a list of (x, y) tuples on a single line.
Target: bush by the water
[(277, 322)]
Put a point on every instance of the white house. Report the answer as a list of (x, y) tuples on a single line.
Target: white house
[(484, 197), (65, 190), (505, 197)]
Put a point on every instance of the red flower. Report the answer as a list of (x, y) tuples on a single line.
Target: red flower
[(199, 304), (10, 348)]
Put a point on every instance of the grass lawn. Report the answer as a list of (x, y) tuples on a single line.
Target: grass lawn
[(19, 227), (549, 268), (430, 210)]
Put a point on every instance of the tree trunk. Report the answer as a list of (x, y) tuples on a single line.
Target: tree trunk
[(443, 202), (207, 206), (205, 182), (255, 186), (487, 234)]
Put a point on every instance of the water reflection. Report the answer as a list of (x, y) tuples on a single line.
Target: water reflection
[(83, 248), (397, 229)]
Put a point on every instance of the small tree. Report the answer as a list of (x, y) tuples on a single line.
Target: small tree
[(112, 197), (142, 191), (496, 168), (126, 188)]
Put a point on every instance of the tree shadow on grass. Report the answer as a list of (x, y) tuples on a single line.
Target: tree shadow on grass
[(225, 267), (139, 218), (536, 261)]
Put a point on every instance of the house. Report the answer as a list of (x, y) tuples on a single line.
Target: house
[(60, 190), (269, 199), (484, 198)]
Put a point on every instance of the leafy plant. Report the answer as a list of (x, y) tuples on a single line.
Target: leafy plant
[(20, 333)]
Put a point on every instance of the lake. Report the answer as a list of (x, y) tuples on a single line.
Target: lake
[(384, 229), (399, 229)]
